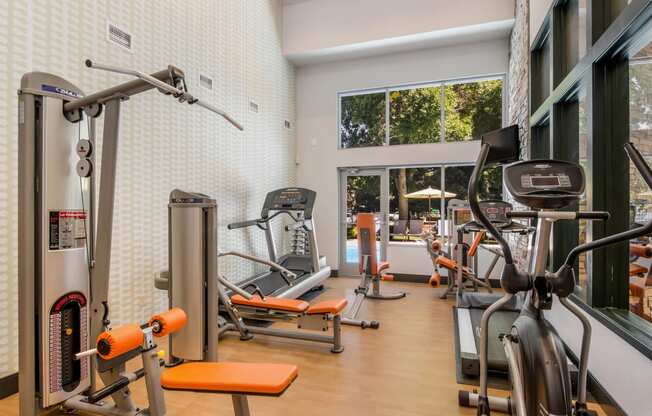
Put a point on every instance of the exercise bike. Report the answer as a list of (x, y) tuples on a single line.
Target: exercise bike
[(536, 357)]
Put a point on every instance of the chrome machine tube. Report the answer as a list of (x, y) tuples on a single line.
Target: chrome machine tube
[(542, 244), (518, 397), (586, 346), (484, 340)]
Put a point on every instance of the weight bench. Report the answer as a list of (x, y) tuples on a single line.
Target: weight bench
[(372, 272), (315, 317), (237, 379)]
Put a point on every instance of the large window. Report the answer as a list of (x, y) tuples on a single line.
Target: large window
[(362, 119), (418, 198), (640, 195), (415, 197), (448, 111), (591, 93)]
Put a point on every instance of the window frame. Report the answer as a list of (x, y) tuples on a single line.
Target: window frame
[(613, 30), (415, 85)]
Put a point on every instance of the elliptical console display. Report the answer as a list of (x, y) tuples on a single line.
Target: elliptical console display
[(545, 184)]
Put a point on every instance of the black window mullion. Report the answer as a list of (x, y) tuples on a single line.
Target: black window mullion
[(565, 146), (609, 120)]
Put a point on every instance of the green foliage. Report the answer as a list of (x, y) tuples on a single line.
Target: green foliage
[(362, 120), (415, 115), (363, 194), (472, 109)]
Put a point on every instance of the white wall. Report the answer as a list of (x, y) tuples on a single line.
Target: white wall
[(164, 144), (538, 11), (318, 156), (620, 368), (319, 24), (412, 258)]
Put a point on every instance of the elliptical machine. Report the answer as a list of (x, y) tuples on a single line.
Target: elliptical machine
[(537, 361)]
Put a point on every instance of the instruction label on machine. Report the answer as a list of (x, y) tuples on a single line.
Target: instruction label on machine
[(67, 229)]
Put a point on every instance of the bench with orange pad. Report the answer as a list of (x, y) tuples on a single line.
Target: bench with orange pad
[(333, 307), (316, 317), (237, 379), (231, 378), (272, 303)]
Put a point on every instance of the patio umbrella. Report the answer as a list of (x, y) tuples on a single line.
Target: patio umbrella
[(429, 193)]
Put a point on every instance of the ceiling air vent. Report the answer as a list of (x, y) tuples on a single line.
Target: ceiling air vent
[(118, 36), (206, 81)]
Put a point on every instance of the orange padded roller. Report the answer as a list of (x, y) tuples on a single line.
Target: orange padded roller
[(640, 250), (435, 280), (168, 322), (476, 243), (118, 341)]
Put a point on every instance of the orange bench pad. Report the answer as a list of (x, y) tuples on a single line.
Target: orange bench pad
[(278, 304), (635, 270), (333, 306), (232, 378)]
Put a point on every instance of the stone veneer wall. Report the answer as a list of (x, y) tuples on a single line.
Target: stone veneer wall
[(518, 99)]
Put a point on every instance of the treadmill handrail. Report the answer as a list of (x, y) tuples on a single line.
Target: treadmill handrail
[(286, 274)]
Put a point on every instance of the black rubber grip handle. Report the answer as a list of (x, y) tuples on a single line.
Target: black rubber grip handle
[(242, 224), (522, 214), (593, 215)]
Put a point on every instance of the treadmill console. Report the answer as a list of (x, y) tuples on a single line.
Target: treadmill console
[(290, 199), (545, 184), (496, 212)]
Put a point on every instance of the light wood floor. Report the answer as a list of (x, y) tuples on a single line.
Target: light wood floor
[(407, 367)]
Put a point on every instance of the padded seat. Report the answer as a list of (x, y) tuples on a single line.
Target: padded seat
[(333, 306), (230, 378), (271, 303), (383, 265)]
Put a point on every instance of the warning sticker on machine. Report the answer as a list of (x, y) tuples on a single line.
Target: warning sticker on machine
[(67, 229)]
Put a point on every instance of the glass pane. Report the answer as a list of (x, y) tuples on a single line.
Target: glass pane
[(414, 202), (640, 196), (583, 272), (362, 120), (472, 109), (415, 115), (362, 195)]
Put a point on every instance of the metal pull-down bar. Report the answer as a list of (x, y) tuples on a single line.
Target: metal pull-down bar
[(169, 81)]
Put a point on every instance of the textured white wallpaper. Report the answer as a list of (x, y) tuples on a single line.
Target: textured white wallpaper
[(164, 145)]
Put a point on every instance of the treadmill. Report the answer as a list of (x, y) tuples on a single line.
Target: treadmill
[(470, 306), (301, 270)]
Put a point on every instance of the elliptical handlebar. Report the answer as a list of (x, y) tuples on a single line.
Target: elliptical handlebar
[(645, 171), (474, 203)]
